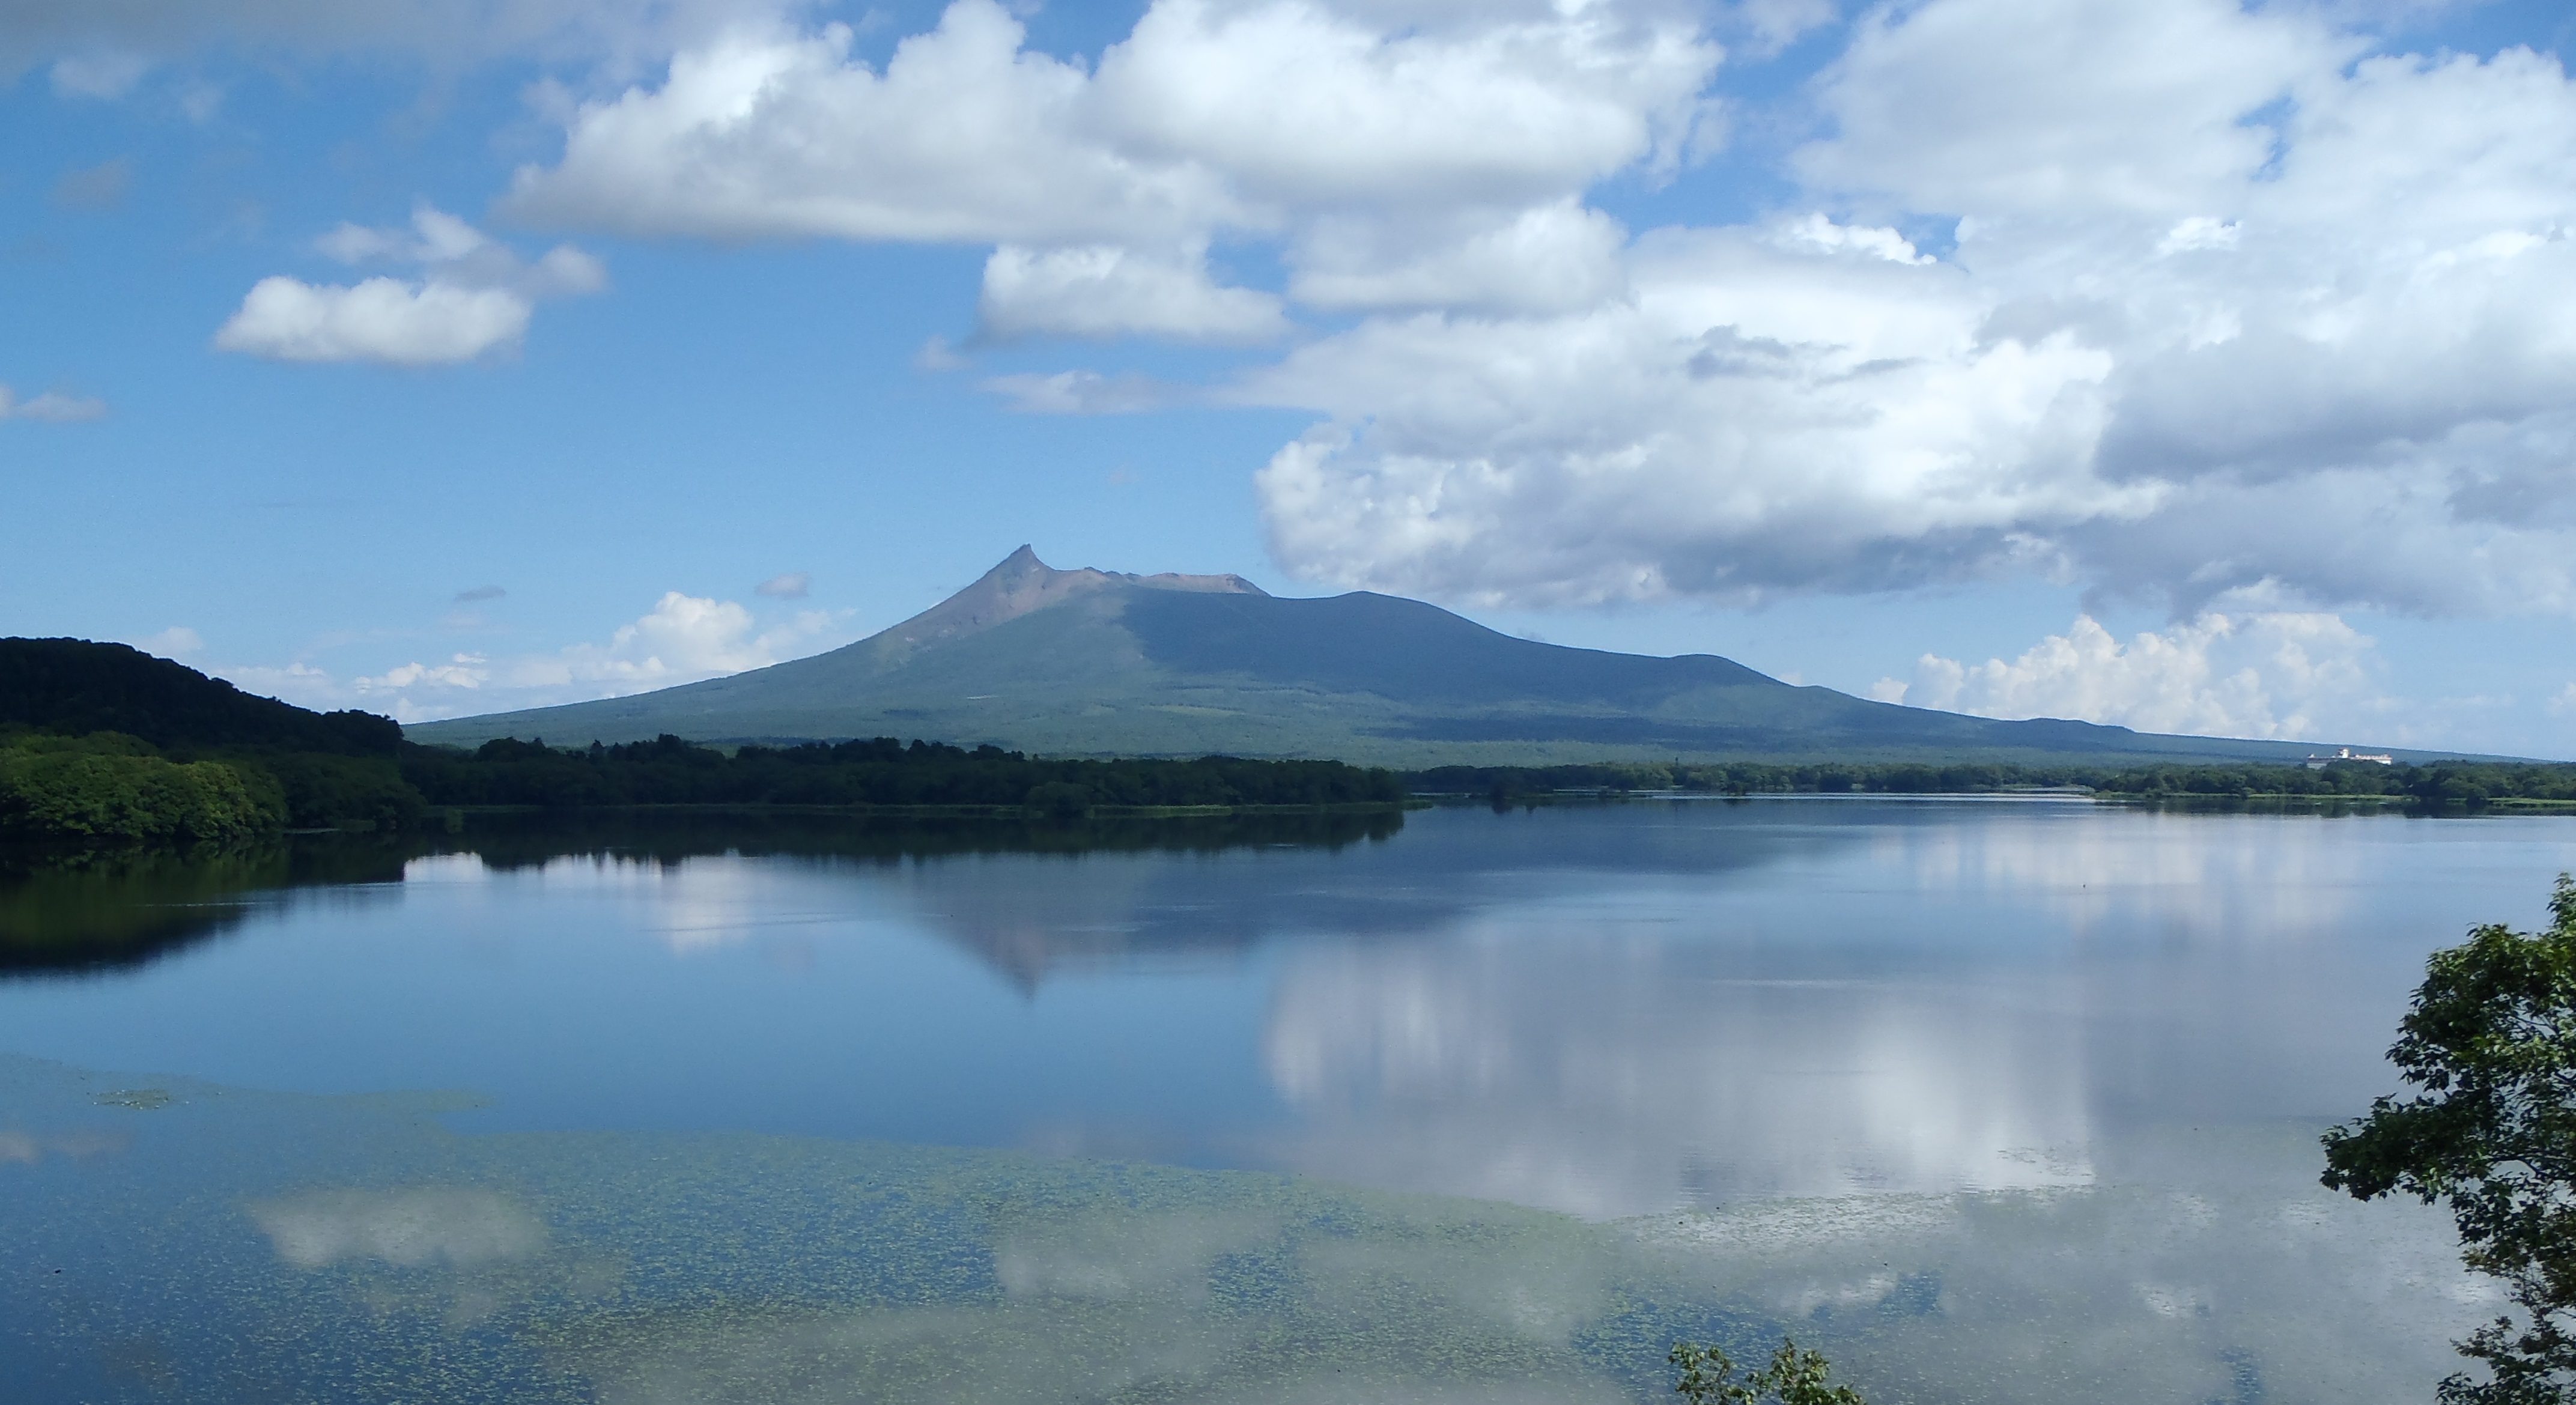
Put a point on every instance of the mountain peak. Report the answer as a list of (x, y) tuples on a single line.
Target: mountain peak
[(1021, 584), (1092, 662)]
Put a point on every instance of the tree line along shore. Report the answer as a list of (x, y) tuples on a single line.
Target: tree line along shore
[(103, 745), (108, 787), (111, 787), (2467, 785)]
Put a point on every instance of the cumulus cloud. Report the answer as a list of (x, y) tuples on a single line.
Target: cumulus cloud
[(2226, 309), (1103, 290), (1301, 105), (2172, 302), (460, 671), (2075, 108), (1206, 115), (2261, 674), (1760, 414), (1411, 160), (770, 133), (1084, 393), (52, 407), (176, 642), (1556, 257), (682, 639), (473, 297), (791, 585)]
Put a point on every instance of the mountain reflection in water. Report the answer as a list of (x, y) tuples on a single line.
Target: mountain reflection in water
[(1606, 1011), (1995, 1102)]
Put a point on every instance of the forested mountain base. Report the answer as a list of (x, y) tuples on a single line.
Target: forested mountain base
[(881, 772)]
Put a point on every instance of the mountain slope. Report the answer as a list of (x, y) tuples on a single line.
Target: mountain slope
[(1095, 663)]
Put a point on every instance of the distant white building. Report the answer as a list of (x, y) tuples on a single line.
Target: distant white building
[(2319, 763)]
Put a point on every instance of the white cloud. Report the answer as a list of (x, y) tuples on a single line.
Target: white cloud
[(382, 319), (52, 407), (1301, 106), (460, 671), (299, 683), (682, 639), (2199, 232), (773, 134), (1814, 233), (1411, 160), (1083, 393), (2189, 342), (1103, 290), (791, 585), (2262, 674), (1774, 24), (2565, 702), (176, 642), (1206, 116), (474, 298), (1556, 257), (2170, 301), (2003, 109), (1753, 418)]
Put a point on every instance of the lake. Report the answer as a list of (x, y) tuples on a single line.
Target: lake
[(1994, 1100)]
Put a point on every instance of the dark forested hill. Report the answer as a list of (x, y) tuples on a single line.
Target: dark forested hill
[(107, 744), (75, 686), (1090, 663)]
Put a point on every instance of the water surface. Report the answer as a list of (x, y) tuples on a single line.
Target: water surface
[(1991, 1097)]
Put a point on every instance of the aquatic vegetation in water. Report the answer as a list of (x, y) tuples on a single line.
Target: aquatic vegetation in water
[(240, 1245), (135, 1099)]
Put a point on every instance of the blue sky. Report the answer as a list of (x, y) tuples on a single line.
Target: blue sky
[(2188, 366)]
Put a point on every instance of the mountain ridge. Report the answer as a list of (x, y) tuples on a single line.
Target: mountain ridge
[(1090, 662)]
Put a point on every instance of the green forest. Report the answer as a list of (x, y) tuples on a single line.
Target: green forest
[(2439, 785), (881, 772), (104, 745), (101, 745)]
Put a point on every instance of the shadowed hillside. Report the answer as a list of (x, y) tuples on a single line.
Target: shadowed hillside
[(1094, 663), (76, 686)]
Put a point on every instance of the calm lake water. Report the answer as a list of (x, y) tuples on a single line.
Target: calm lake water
[(1993, 1100)]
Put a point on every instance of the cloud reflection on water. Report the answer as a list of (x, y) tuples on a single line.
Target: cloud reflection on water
[(408, 1228), (1612, 1011), (1934, 1007), (23, 1148), (1606, 1077)]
